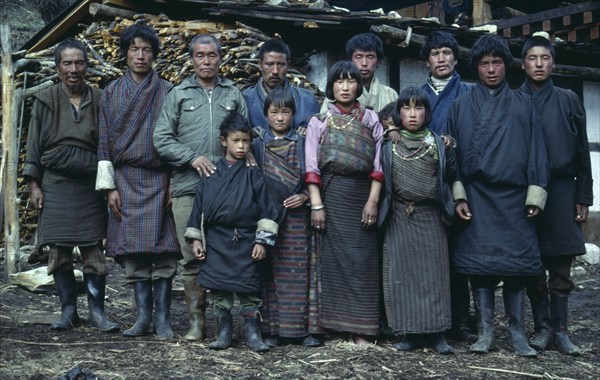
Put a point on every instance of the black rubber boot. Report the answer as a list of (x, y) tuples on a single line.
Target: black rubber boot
[(514, 306), (485, 306), (541, 322), (438, 343), (559, 305), (410, 342), (252, 329), (67, 293), (95, 286), (162, 308), (460, 296), (143, 306), (224, 329), (195, 298)]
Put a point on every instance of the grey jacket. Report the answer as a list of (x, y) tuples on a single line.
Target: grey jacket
[(188, 127)]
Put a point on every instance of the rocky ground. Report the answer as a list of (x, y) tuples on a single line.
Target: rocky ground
[(30, 350)]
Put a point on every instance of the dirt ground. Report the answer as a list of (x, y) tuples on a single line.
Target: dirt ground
[(30, 350)]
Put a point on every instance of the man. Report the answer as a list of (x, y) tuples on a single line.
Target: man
[(503, 169), (61, 169), (273, 59), (187, 137), (141, 231), (366, 51), (443, 86), (569, 194)]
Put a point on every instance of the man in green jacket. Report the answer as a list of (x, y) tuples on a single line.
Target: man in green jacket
[(187, 137)]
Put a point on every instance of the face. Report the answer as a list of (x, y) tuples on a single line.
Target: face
[(412, 116), (344, 92), (273, 68), (388, 123), (237, 145), (206, 61), (366, 61), (441, 62), (538, 64), (491, 70), (140, 57), (280, 119), (72, 68)]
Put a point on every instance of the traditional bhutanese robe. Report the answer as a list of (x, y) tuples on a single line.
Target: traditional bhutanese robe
[(285, 289), (61, 157), (440, 104), (128, 113), (564, 125), (342, 156), (503, 166), (232, 211)]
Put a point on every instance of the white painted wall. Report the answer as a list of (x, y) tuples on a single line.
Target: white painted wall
[(591, 102), (413, 73)]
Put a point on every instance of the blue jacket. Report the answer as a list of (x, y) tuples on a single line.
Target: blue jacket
[(306, 105), (440, 105), (443, 196)]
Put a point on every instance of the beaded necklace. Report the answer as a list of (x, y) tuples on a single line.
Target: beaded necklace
[(426, 146)]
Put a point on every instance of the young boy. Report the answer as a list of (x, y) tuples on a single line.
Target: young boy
[(231, 224), (279, 152)]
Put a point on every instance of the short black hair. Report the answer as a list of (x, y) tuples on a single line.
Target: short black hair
[(537, 41), (141, 31), (406, 97), (69, 43), (234, 122), (205, 39), (343, 69), (490, 44), (386, 111), (274, 45), (365, 42), (280, 97), (438, 40)]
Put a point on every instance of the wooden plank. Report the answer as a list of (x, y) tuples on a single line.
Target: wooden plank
[(587, 17), (129, 4), (547, 15), (482, 12), (566, 20), (572, 36), (507, 33), (594, 32), (526, 30), (547, 25)]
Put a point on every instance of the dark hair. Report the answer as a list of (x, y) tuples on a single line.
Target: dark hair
[(205, 39), (274, 45), (365, 42), (386, 111), (69, 43), (141, 31), (490, 44), (234, 122), (439, 40), (343, 69), (407, 96), (537, 41), (280, 97)]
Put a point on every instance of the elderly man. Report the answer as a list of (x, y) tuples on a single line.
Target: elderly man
[(497, 198), (187, 137), (61, 169), (141, 230), (569, 194), (273, 59)]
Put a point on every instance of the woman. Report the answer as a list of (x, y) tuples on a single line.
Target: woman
[(344, 178)]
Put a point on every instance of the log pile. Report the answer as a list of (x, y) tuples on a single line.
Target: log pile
[(240, 45)]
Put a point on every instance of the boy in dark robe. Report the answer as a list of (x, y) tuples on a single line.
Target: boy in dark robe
[(570, 194), (503, 170), (231, 224)]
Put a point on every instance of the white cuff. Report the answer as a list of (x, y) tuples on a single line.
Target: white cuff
[(105, 176), (458, 192), (536, 196)]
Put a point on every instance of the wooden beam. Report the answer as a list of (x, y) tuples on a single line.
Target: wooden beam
[(482, 12), (549, 14), (102, 11)]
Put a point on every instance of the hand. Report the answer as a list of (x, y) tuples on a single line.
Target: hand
[(532, 211), (581, 213), (169, 199), (198, 250), (204, 166), (259, 252), (301, 129), (449, 141), (394, 136), (36, 197), (369, 214), (317, 219), (295, 201), (114, 203), (250, 160), (463, 211)]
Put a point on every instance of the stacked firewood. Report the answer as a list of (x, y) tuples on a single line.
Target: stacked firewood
[(240, 45)]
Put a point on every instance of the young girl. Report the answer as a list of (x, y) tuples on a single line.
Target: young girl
[(344, 177), (415, 204), (279, 152)]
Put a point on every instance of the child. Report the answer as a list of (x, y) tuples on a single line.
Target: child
[(416, 201), (231, 224), (279, 152), (387, 121)]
